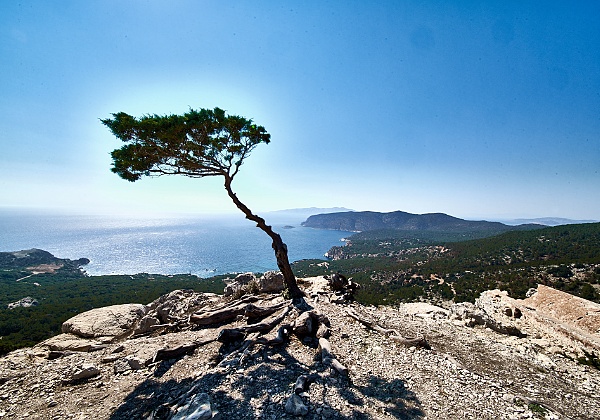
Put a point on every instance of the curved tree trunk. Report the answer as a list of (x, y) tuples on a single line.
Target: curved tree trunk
[(278, 246)]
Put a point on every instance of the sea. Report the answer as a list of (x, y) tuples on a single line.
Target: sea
[(204, 245)]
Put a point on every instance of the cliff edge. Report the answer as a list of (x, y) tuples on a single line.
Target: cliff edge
[(170, 360)]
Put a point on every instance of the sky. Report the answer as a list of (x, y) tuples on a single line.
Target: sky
[(478, 109)]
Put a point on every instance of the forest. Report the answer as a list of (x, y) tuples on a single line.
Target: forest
[(399, 266), (68, 291)]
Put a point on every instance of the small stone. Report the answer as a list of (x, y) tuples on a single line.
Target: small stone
[(197, 408), (85, 371), (508, 397)]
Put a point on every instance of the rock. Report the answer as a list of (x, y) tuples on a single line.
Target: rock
[(176, 305), (304, 324), (146, 324), (135, 362), (560, 313), (110, 321), (337, 281), (121, 366), (69, 342), (424, 310), (84, 372), (469, 313), (238, 283), (26, 302), (295, 406), (197, 408), (271, 281), (472, 315)]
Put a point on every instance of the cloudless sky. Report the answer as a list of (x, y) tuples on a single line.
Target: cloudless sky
[(478, 109)]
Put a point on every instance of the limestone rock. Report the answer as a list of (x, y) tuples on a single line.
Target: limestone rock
[(238, 283), (172, 307), (271, 281), (69, 342), (472, 315), (177, 304), (469, 313), (110, 321), (304, 324), (569, 316), (422, 309), (26, 302), (83, 372)]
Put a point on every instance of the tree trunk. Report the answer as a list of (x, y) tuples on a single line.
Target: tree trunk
[(278, 246)]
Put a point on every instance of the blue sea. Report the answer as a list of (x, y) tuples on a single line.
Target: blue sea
[(201, 245)]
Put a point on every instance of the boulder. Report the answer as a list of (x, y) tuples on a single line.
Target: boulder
[(469, 313), (473, 314), (176, 305), (304, 325), (498, 303), (271, 281), (111, 321), (172, 307), (561, 314), (238, 283), (69, 342)]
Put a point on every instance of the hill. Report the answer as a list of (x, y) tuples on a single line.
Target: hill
[(39, 291), (432, 222), (498, 359), (397, 266)]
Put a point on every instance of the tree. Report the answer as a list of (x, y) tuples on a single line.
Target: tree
[(196, 144)]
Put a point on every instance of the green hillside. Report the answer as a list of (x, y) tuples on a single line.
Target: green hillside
[(67, 291), (398, 266)]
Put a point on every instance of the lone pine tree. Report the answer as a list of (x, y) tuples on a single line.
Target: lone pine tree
[(196, 144)]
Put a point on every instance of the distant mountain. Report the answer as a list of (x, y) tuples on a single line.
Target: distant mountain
[(310, 211), (550, 221), (35, 257), (399, 220)]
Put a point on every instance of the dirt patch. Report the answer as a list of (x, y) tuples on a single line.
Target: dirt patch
[(45, 268)]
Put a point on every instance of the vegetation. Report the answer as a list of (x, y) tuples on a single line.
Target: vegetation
[(197, 144), (390, 269), (67, 292), (392, 266)]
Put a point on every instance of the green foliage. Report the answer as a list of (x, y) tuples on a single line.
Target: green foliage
[(537, 409), (561, 271), (513, 261), (196, 144), (67, 293)]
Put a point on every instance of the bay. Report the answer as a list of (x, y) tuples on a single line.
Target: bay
[(202, 245)]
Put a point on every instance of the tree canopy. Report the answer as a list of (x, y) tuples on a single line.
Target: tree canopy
[(196, 144)]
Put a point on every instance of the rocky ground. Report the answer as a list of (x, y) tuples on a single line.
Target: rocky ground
[(492, 360)]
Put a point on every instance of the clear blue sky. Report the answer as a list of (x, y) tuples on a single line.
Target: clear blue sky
[(479, 109)]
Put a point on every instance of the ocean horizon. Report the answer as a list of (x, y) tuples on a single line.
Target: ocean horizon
[(204, 245)]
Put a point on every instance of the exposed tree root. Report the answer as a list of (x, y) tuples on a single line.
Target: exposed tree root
[(172, 353), (328, 358), (230, 312)]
